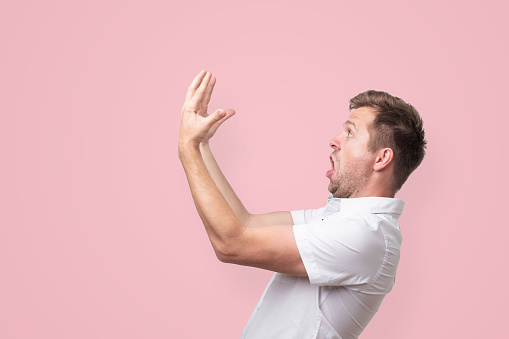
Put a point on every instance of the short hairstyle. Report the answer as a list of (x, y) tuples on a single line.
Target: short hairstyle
[(397, 125)]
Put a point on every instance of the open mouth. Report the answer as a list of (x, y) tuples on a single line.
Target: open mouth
[(331, 171)]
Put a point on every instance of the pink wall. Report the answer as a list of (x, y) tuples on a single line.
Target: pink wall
[(99, 237)]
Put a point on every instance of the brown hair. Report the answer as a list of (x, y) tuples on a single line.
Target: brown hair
[(397, 125)]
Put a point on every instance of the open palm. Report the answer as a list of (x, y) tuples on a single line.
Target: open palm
[(197, 125)]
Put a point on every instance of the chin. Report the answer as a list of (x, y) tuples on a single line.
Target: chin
[(332, 189)]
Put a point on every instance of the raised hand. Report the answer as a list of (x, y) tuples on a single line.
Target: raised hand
[(197, 126)]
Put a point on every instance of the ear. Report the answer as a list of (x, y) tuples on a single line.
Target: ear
[(384, 157)]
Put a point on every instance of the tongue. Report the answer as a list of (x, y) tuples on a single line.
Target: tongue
[(329, 172)]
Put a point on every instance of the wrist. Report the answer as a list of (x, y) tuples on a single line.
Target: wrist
[(188, 147), (204, 145)]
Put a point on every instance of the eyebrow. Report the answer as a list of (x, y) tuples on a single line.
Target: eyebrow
[(349, 122)]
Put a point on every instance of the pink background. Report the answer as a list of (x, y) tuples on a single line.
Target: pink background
[(99, 234)]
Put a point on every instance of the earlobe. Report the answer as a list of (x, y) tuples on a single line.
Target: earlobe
[(383, 159)]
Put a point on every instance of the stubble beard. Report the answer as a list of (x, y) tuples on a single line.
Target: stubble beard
[(348, 182)]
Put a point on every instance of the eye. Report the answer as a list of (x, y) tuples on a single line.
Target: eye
[(349, 133)]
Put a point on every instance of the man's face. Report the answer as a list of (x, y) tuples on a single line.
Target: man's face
[(351, 161)]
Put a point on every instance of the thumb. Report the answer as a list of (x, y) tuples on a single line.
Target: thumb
[(228, 114), (217, 115), (221, 115)]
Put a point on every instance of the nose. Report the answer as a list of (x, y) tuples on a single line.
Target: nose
[(335, 142)]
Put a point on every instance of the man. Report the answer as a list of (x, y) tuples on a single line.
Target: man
[(335, 264)]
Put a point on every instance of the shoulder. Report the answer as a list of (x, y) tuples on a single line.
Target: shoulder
[(358, 234), (341, 249), (363, 227)]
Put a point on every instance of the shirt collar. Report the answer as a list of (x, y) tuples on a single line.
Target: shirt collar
[(367, 205)]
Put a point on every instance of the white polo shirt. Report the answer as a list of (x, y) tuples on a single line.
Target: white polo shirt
[(350, 249)]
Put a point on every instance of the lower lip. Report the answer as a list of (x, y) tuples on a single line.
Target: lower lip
[(329, 173)]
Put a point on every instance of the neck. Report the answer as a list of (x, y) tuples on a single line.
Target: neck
[(374, 193), (375, 189)]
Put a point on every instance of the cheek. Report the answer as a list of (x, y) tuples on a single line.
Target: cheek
[(360, 151), (356, 158)]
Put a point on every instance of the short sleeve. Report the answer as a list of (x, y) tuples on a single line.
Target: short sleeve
[(339, 251), (305, 216)]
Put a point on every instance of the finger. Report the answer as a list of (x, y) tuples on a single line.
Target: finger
[(198, 95), (221, 118), (208, 92), (194, 85), (229, 113)]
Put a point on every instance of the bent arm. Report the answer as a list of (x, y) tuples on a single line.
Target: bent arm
[(273, 248), (248, 219)]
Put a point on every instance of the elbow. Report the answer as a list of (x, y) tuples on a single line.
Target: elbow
[(224, 258), (227, 254), (230, 247)]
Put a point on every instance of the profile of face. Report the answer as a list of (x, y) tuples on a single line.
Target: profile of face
[(352, 162)]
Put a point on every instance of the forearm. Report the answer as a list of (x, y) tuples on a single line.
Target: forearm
[(223, 185), (221, 223)]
